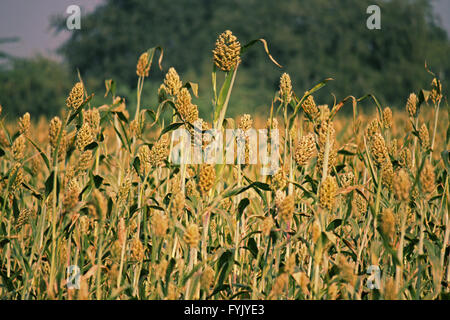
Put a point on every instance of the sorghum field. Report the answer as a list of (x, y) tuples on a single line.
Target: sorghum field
[(358, 209)]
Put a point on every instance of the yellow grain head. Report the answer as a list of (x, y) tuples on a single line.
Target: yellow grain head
[(160, 224), (23, 217), (192, 236), (85, 161), (172, 82), (309, 107), (411, 105), (159, 152), (387, 223), (76, 97), (327, 192), (424, 137), (266, 225), (378, 149), (402, 185), (137, 250), (187, 110), (279, 180), (305, 149), (24, 124), (92, 117), (436, 91), (280, 285), (53, 132), (178, 204), (387, 173), (405, 158), (286, 208), (227, 51), (285, 88), (246, 122), (427, 178), (85, 136), (71, 194), (387, 117), (18, 147), (347, 179), (207, 177), (124, 190), (143, 65), (207, 278)]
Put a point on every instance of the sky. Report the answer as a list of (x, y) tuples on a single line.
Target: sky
[(29, 20)]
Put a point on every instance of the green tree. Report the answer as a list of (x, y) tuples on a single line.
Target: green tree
[(312, 39), (37, 85)]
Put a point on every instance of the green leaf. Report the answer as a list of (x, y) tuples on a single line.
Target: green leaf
[(252, 247), (241, 207), (49, 184), (334, 224), (43, 156), (171, 127)]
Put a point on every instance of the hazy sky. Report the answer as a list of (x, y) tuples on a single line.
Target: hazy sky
[(29, 20)]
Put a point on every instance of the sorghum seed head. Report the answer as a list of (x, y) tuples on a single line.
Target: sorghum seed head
[(347, 179), (143, 65), (71, 194), (427, 178), (387, 223), (207, 278), (245, 122), (84, 161), (309, 107), (206, 178), (436, 91), (378, 149), (192, 235), (172, 82), (24, 124), (227, 51), (411, 105), (92, 117), (85, 136), (18, 147), (23, 217), (327, 192), (424, 137), (359, 204), (405, 158), (124, 190), (346, 270), (326, 132), (160, 224), (387, 173), (144, 159), (184, 106), (53, 132), (373, 128), (324, 113), (286, 208), (402, 185), (387, 117), (159, 152), (178, 204), (305, 149), (76, 97), (285, 88), (267, 225), (137, 250), (279, 180), (280, 285)]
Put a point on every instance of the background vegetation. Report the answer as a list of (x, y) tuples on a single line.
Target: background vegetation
[(311, 39)]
